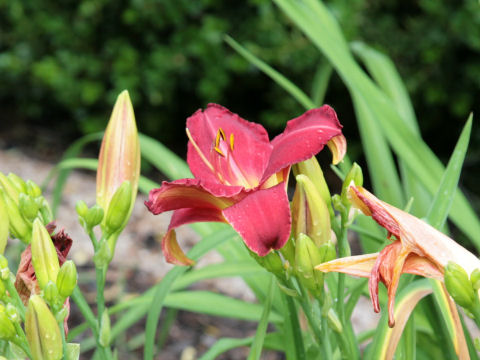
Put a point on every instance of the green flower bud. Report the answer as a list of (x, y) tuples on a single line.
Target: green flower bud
[(28, 207), (44, 255), (18, 182), (17, 224), (311, 168), (104, 336), (310, 214), (475, 279), (12, 313), (33, 189), (4, 224), (271, 262), (81, 208), (61, 314), (7, 330), (328, 252), (9, 189), (307, 256), (94, 216), (4, 270), (119, 209), (67, 279), (354, 176), (337, 203), (458, 285), (50, 292), (45, 211), (42, 330), (103, 255)]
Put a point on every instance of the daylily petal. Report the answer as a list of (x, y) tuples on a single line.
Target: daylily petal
[(421, 238), (188, 193), (262, 219), (338, 148), (245, 152), (172, 251), (303, 137)]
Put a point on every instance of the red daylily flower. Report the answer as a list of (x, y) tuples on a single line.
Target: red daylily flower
[(241, 177), (418, 249)]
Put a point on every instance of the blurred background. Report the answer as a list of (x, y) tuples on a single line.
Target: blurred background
[(63, 63)]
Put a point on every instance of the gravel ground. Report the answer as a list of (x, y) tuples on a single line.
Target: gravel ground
[(138, 264)]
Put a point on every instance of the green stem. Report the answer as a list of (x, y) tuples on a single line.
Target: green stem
[(326, 339), (84, 308), (21, 339), (101, 277), (64, 341), (15, 297), (295, 328)]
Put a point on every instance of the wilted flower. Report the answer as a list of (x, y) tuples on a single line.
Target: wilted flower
[(418, 249), (241, 177)]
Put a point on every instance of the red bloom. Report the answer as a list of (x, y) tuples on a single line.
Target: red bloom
[(241, 177)]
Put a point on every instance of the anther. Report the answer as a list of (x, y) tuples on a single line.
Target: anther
[(231, 141), (222, 134), (219, 151)]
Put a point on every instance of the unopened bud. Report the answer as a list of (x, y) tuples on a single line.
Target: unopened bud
[(4, 225), (458, 285), (475, 279), (118, 209), (17, 224), (42, 330), (306, 258), (18, 182), (94, 216), (9, 189), (4, 270), (270, 262), (45, 211), (104, 336), (50, 292), (310, 214), (44, 255), (33, 189), (328, 252), (311, 168), (7, 330), (354, 177), (81, 208), (28, 207), (67, 279)]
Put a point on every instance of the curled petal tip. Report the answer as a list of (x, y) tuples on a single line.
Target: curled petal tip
[(172, 251), (338, 147)]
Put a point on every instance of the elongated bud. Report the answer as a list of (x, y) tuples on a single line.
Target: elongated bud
[(10, 189), (28, 207), (67, 279), (119, 158), (42, 330), (45, 211), (308, 256), (118, 212), (7, 330), (475, 279), (458, 285), (355, 178), (50, 292), (18, 182), (17, 224), (310, 214), (4, 224), (33, 189), (311, 168), (104, 336), (44, 255)]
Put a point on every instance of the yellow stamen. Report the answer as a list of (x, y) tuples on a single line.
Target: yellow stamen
[(219, 151), (231, 141), (222, 133), (217, 139)]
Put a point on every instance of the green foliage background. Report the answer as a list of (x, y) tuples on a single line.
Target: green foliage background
[(63, 63)]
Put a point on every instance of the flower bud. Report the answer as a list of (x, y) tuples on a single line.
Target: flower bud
[(328, 252), (45, 211), (119, 209), (4, 225), (104, 335), (33, 189), (18, 182), (103, 255), (50, 292), (354, 176), (4, 270), (271, 262), (310, 213), (458, 285), (44, 256), (28, 207), (42, 330), (81, 208), (17, 224), (67, 279), (7, 330), (311, 168), (94, 216), (9, 188), (119, 158), (475, 279), (308, 256)]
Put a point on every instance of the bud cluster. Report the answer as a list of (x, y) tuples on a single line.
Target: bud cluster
[(462, 288)]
